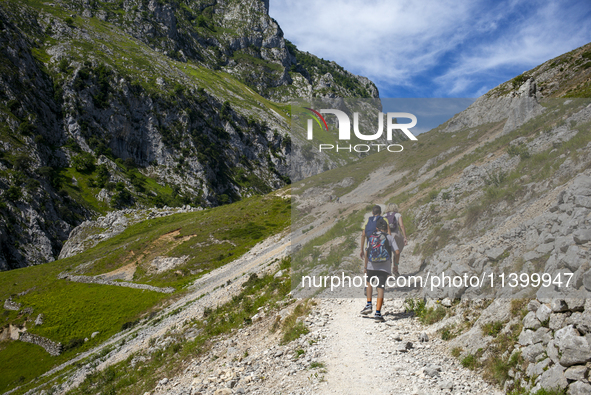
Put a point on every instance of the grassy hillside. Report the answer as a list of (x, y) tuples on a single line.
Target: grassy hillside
[(74, 311)]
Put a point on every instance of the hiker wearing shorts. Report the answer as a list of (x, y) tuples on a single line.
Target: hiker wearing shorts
[(377, 265), (397, 230)]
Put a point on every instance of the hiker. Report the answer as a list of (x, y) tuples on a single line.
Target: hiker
[(377, 265), (369, 227), (396, 226)]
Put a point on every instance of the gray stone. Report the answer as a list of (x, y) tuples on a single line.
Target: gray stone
[(533, 305), (583, 201), (530, 353), (575, 304), (530, 321), (164, 381), (430, 372), (526, 337), (543, 313), (403, 346), (446, 302), (562, 243), (559, 306), (542, 335), (587, 280), (538, 368), (545, 248), (494, 253), (575, 373), (447, 385), (94, 334), (278, 274), (10, 305), (571, 259), (39, 320), (553, 378), (531, 255), (556, 321), (552, 352), (423, 337), (579, 388), (582, 236), (573, 347), (581, 321)]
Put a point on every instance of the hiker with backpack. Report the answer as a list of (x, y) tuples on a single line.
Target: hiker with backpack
[(377, 264), (396, 225)]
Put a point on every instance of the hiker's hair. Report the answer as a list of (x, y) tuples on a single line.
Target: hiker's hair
[(377, 210), (392, 207), (382, 225)]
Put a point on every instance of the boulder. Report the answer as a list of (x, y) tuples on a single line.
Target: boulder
[(573, 347), (582, 236), (553, 378), (575, 373), (579, 388), (530, 353), (531, 322), (559, 306), (543, 313), (556, 321), (552, 352)]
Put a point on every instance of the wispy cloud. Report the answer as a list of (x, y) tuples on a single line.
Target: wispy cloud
[(435, 48)]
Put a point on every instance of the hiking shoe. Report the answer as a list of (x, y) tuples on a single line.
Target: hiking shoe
[(378, 317), (395, 272), (367, 309)]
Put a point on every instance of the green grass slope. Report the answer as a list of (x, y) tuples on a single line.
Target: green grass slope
[(73, 311)]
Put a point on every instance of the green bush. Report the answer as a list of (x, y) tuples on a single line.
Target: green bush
[(83, 162), (13, 194)]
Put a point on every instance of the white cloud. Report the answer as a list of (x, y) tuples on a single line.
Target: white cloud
[(450, 45)]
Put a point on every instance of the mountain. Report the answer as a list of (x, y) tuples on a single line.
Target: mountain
[(137, 104), (169, 300)]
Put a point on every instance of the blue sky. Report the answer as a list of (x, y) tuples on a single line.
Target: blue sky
[(447, 48)]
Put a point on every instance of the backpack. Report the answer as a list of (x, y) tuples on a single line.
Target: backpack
[(379, 249), (370, 228), (392, 222)]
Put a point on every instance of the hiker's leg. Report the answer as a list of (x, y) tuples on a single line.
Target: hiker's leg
[(380, 299), (368, 291)]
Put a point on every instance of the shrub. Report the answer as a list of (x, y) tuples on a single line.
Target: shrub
[(83, 162), (433, 194), (492, 328), (13, 194), (470, 362)]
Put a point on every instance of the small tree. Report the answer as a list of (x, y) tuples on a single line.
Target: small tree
[(83, 162)]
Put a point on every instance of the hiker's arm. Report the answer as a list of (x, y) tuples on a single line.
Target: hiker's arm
[(361, 255), (403, 230)]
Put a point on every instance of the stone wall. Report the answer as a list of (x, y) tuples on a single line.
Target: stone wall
[(53, 348)]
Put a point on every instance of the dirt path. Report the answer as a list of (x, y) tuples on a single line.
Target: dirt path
[(364, 356)]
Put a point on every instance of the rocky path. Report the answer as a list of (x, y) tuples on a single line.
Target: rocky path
[(344, 353), (363, 355)]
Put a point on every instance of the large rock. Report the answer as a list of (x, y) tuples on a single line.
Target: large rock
[(531, 322), (553, 378), (530, 353), (582, 236), (575, 373), (543, 313), (573, 347), (579, 388)]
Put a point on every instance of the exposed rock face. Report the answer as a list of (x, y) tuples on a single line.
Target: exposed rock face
[(137, 90)]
